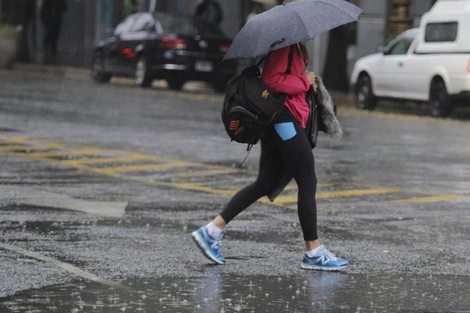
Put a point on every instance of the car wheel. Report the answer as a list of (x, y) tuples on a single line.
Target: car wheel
[(142, 75), (97, 70), (364, 96), (439, 100), (175, 83)]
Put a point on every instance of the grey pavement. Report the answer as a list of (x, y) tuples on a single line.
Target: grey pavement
[(83, 236)]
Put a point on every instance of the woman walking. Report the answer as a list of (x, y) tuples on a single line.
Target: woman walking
[(285, 154)]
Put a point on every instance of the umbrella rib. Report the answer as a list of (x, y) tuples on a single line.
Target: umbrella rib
[(300, 18), (326, 2), (268, 34)]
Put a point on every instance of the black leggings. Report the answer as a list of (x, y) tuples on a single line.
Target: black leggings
[(292, 156)]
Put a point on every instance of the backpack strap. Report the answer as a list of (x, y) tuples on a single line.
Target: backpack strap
[(289, 60), (289, 65)]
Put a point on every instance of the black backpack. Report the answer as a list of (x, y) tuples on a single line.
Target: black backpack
[(250, 105)]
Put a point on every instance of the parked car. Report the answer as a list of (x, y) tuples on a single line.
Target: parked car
[(161, 46), (427, 64)]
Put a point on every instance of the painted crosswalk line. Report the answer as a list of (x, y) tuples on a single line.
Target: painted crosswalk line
[(188, 175)]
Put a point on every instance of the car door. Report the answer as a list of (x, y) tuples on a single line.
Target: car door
[(412, 74), (133, 40), (394, 72), (113, 52)]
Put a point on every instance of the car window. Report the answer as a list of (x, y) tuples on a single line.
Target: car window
[(188, 26), (125, 25), (402, 45), (143, 22), (436, 32)]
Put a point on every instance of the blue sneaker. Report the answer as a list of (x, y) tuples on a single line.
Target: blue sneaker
[(209, 246), (324, 260)]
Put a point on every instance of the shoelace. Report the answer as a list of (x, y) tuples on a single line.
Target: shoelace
[(216, 246), (329, 256)]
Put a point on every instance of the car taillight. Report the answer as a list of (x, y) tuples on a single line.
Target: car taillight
[(128, 52), (173, 43), (224, 47)]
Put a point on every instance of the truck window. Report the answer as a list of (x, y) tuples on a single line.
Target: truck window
[(437, 32)]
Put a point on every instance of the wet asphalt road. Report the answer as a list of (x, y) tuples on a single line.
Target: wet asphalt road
[(101, 186)]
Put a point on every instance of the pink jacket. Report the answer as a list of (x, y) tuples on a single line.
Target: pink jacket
[(294, 84)]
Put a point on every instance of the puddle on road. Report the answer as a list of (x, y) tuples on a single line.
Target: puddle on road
[(220, 292)]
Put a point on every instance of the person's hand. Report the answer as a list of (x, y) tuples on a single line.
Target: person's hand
[(311, 79)]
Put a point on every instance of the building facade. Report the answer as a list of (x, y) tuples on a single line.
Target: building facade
[(87, 21)]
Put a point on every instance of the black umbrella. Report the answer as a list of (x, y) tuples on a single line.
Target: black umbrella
[(289, 23)]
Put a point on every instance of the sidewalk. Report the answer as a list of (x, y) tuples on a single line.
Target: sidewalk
[(80, 73)]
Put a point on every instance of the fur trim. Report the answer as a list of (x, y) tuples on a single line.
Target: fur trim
[(328, 116)]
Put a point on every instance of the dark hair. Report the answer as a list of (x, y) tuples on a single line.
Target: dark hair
[(304, 52)]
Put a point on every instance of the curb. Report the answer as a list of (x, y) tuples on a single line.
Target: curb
[(341, 99)]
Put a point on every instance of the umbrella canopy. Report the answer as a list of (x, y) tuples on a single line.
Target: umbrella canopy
[(289, 23)]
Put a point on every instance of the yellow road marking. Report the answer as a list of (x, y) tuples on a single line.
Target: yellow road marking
[(122, 163), (28, 148), (143, 167), (203, 188), (428, 199), (293, 186), (75, 152), (205, 173), (16, 140), (104, 160), (340, 194), (357, 192)]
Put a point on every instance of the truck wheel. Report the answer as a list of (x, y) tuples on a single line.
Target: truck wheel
[(439, 100), (142, 77), (97, 70), (364, 96)]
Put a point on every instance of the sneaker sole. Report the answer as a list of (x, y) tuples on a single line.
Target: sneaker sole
[(205, 248), (321, 268)]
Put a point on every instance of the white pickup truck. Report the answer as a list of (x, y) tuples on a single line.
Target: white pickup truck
[(430, 63)]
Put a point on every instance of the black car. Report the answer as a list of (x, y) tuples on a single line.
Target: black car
[(161, 46)]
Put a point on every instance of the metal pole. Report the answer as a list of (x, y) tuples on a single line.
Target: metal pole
[(152, 6), (39, 33), (98, 21)]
